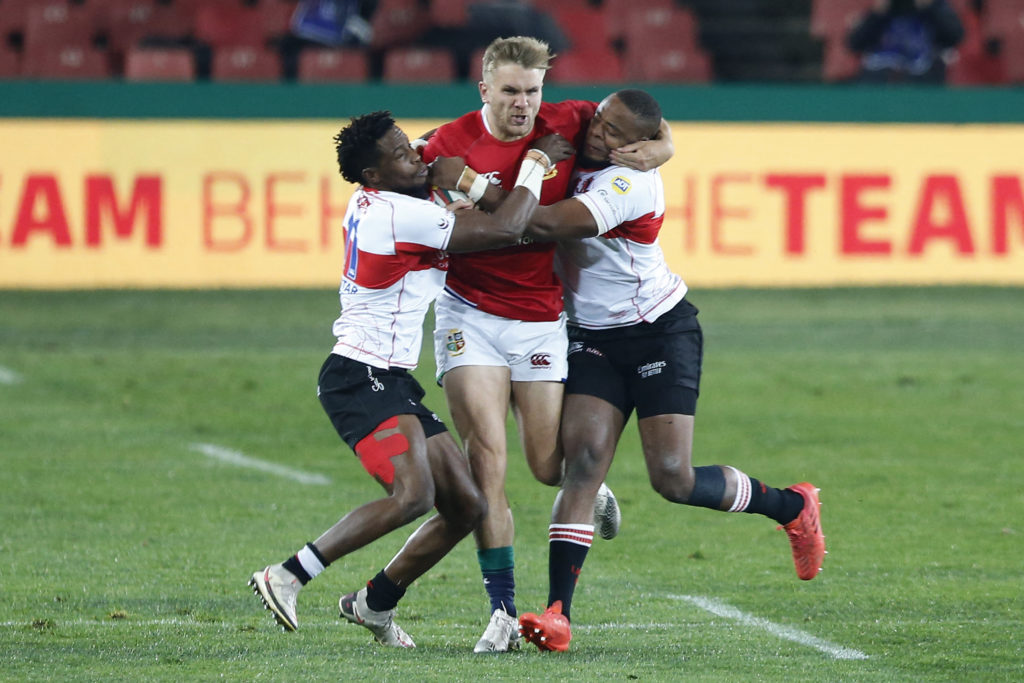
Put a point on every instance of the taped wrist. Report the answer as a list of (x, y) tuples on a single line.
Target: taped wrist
[(532, 171), (473, 184)]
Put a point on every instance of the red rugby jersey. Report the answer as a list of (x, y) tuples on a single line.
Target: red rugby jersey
[(515, 282)]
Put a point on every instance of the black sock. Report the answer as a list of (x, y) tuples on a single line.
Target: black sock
[(293, 565), (382, 593), (565, 562), (782, 505)]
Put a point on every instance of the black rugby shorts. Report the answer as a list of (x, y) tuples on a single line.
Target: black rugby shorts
[(358, 397), (652, 367)]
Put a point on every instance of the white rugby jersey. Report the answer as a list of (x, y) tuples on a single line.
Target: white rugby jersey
[(395, 265), (620, 276)]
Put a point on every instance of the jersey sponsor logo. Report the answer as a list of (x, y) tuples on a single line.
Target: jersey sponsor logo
[(540, 360), (352, 248), (454, 342), (621, 185), (649, 369), (584, 185)]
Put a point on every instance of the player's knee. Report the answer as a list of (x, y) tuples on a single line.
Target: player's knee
[(472, 510), (548, 473), (414, 499), (672, 481)]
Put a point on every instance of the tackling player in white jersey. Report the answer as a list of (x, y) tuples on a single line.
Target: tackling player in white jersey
[(634, 344), (396, 244)]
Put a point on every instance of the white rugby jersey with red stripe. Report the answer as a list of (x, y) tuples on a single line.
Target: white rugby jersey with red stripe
[(619, 277), (395, 266)]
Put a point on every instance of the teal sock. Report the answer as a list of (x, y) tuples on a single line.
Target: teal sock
[(498, 568)]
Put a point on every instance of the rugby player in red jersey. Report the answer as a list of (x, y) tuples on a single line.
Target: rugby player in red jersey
[(500, 336)]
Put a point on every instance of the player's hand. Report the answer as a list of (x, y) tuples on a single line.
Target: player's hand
[(555, 146), (636, 155), (460, 205), (445, 172)]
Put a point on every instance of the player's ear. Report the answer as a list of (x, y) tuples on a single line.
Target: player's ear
[(482, 87), (371, 176)]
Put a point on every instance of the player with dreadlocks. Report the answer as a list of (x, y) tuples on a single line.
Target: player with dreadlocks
[(396, 252)]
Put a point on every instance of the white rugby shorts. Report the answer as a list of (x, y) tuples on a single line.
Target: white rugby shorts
[(533, 351)]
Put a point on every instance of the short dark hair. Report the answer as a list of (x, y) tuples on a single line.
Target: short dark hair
[(356, 144), (644, 107)]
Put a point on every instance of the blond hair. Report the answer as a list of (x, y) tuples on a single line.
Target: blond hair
[(525, 51)]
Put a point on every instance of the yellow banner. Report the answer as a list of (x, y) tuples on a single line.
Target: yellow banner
[(110, 203)]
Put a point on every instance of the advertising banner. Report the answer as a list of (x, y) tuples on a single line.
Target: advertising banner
[(221, 203)]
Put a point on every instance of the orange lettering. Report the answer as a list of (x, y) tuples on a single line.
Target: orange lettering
[(720, 212), (237, 210), (795, 187), (1006, 198), (852, 214), (940, 189), (52, 219), (100, 199), (275, 209), (328, 212)]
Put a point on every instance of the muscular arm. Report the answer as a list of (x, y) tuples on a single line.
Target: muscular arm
[(566, 219), (646, 154), (477, 230)]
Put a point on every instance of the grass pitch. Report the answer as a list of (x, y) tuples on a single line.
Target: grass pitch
[(126, 548)]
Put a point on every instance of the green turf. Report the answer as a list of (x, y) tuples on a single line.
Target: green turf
[(124, 552)]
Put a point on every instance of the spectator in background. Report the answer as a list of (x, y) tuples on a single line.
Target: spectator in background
[(903, 41)]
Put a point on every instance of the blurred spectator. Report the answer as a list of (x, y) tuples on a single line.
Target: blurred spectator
[(333, 22), (903, 41)]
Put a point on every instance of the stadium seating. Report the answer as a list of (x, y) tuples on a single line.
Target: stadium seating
[(657, 27), (1002, 18), (838, 63), (398, 22), (128, 22), (618, 12), (325, 65), (585, 27), (449, 13), (66, 63), (245, 63), (668, 65), (159, 64), (276, 16), (419, 65), (58, 23), (229, 25), (10, 63), (834, 18), (602, 66), (12, 17)]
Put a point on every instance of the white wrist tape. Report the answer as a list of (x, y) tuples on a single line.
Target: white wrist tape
[(532, 172), (473, 184)]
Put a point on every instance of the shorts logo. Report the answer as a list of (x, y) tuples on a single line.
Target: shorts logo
[(621, 185), (540, 360), (575, 347), (455, 343), (375, 384), (648, 369)]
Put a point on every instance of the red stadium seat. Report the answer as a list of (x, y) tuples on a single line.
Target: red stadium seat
[(276, 16), (323, 65), (66, 63), (58, 23), (839, 63), (657, 27), (398, 22), (587, 67), (584, 27), (10, 63), (127, 22), (832, 18), (419, 65), (245, 63), (1002, 17), (229, 25), (668, 65), (159, 64), (618, 12), (1013, 55), (476, 65), (450, 13), (973, 65), (13, 16)]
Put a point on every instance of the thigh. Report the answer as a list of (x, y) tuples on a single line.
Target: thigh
[(537, 407), (593, 372), (665, 372), (478, 398)]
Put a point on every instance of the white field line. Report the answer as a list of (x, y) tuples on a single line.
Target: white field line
[(8, 376), (241, 460), (726, 611)]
